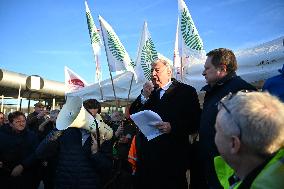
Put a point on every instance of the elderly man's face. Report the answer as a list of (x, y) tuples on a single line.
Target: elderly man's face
[(161, 74), (222, 140)]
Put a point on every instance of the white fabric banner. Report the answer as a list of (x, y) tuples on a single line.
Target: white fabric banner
[(95, 40), (190, 43), (146, 55), (177, 58), (118, 58)]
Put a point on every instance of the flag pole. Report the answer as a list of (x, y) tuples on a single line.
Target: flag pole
[(176, 52), (181, 69), (128, 96), (93, 30), (109, 67), (98, 75)]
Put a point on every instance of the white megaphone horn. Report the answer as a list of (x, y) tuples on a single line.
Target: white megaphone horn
[(73, 114), (86, 121)]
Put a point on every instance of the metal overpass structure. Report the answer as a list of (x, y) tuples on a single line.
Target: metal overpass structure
[(20, 86)]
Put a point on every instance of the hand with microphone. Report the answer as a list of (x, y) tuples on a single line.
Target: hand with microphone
[(148, 87)]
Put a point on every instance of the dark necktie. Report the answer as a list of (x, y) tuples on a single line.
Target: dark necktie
[(158, 92)]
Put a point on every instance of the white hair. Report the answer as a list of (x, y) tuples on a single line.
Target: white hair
[(260, 117), (164, 61)]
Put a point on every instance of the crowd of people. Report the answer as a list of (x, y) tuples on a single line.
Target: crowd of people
[(236, 140)]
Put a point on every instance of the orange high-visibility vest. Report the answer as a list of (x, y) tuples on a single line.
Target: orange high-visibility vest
[(132, 155)]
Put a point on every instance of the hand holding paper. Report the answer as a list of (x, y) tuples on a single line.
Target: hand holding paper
[(146, 121), (164, 127)]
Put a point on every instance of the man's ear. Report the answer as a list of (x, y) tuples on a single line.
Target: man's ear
[(223, 68), (235, 144), (169, 71)]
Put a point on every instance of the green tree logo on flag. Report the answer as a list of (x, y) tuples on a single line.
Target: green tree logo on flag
[(148, 55), (132, 63), (94, 35), (115, 47), (189, 32)]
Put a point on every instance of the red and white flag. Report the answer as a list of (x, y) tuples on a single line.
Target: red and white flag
[(73, 81)]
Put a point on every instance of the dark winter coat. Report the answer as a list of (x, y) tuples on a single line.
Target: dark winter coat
[(33, 122), (208, 150), (162, 161), (77, 167), (15, 149)]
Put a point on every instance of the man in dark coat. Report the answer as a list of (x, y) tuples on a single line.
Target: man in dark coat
[(219, 72), (17, 161), (36, 118), (162, 161)]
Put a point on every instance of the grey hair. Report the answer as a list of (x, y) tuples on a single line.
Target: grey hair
[(165, 62), (260, 117)]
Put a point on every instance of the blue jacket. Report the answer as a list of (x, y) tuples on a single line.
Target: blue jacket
[(275, 86)]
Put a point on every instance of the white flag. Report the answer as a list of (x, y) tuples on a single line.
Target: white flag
[(191, 45), (177, 60), (146, 55), (118, 58), (95, 40), (73, 81), (93, 31)]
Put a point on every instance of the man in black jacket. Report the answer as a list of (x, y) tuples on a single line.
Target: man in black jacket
[(162, 161), (220, 74), (36, 118), (17, 161)]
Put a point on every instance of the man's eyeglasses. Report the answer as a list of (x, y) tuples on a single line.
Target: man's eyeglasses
[(223, 101), (222, 104)]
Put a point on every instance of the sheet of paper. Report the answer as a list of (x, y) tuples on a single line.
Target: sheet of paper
[(146, 121)]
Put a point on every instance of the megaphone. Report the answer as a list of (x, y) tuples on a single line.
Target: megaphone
[(86, 121), (69, 112), (73, 114)]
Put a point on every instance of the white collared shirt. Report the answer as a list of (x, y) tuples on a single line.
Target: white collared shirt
[(162, 92), (164, 88)]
